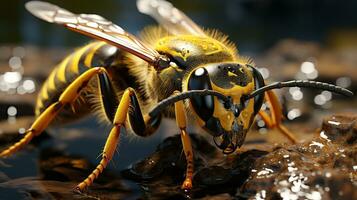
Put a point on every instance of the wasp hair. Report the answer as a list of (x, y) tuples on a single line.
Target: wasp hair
[(304, 84)]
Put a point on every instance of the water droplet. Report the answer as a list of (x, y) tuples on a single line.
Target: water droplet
[(318, 144), (263, 131), (327, 95), (297, 95), (3, 86), (29, 86), (294, 113), (293, 89), (261, 195), (15, 62), (334, 123), (307, 67), (315, 195), (11, 120), (12, 77), (344, 82), (261, 123), (264, 172), (324, 136), (328, 174), (20, 90), (320, 99), (312, 75), (12, 111), (22, 130)]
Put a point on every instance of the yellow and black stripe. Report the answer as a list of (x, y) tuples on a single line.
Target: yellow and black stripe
[(95, 54)]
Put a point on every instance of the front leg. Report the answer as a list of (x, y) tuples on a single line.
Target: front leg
[(186, 144)]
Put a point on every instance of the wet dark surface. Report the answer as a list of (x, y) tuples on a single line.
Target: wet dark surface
[(58, 175), (321, 168), (161, 174)]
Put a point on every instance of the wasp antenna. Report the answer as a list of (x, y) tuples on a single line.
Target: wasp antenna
[(185, 95), (304, 84)]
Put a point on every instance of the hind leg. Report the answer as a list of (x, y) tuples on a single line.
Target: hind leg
[(69, 95)]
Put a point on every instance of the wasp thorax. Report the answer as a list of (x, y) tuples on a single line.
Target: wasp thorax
[(191, 51)]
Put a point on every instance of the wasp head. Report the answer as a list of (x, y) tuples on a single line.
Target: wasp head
[(227, 123)]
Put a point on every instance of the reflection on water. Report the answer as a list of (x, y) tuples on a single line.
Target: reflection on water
[(12, 81)]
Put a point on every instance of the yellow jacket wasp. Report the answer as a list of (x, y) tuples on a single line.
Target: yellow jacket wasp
[(174, 70)]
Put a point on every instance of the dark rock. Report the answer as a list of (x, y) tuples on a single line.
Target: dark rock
[(323, 168), (162, 173), (60, 173)]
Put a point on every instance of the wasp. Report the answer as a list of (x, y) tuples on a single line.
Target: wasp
[(175, 70)]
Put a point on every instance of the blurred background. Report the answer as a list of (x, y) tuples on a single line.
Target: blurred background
[(296, 39), (255, 25)]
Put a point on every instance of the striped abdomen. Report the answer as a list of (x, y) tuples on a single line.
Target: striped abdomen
[(96, 54)]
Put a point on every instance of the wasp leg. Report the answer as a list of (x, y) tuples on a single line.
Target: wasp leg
[(141, 125), (276, 116), (69, 95), (186, 144), (112, 141), (108, 96)]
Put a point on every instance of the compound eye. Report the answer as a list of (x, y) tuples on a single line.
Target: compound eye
[(258, 82), (202, 105)]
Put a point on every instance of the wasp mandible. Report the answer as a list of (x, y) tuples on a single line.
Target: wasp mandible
[(175, 70)]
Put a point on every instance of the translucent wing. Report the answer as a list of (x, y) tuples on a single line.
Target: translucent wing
[(172, 19), (94, 26)]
